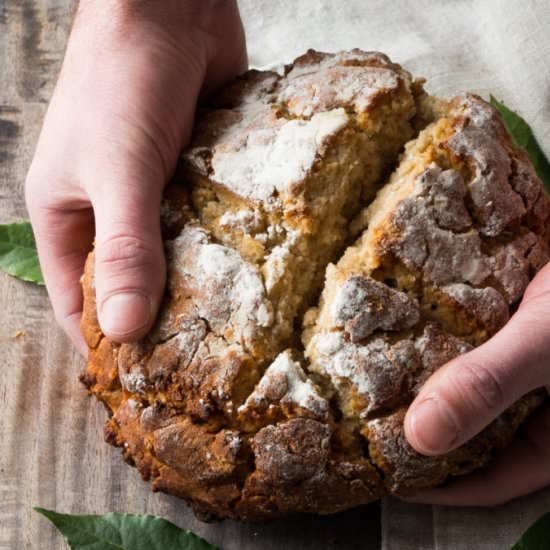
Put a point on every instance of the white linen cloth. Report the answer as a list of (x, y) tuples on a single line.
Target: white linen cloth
[(484, 46)]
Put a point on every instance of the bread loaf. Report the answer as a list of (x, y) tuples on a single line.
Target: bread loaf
[(333, 236)]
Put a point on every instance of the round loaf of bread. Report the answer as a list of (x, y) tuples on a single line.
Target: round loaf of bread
[(333, 236)]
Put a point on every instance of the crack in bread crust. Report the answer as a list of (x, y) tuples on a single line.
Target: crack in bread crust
[(220, 403)]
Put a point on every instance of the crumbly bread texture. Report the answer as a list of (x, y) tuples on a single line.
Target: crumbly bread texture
[(260, 392)]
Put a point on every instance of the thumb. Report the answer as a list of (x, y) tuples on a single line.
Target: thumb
[(468, 393), (130, 269)]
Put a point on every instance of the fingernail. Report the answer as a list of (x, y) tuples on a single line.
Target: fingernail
[(433, 427), (124, 313)]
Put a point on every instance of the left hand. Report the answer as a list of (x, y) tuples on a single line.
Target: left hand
[(122, 111), (468, 393)]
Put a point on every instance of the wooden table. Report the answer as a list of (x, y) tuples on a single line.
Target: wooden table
[(52, 452)]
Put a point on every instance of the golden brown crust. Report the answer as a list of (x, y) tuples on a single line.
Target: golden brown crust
[(218, 404), (295, 469)]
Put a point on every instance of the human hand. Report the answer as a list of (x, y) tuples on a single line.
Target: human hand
[(464, 396), (121, 112)]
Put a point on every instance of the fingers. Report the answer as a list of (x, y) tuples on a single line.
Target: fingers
[(464, 396), (130, 266), (520, 469), (63, 238)]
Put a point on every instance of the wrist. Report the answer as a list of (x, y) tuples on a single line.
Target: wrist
[(118, 23), (181, 19), (207, 35)]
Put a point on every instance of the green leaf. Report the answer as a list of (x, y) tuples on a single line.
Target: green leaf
[(537, 537), (523, 136), (18, 256), (123, 532)]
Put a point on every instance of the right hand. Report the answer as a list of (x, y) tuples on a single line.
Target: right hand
[(463, 397), (122, 111)]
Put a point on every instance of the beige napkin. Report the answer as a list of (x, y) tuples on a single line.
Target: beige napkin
[(485, 46)]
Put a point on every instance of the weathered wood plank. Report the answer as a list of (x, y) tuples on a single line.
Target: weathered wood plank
[(52, 452)]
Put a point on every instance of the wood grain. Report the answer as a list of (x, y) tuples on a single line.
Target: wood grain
[(52, 452)]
